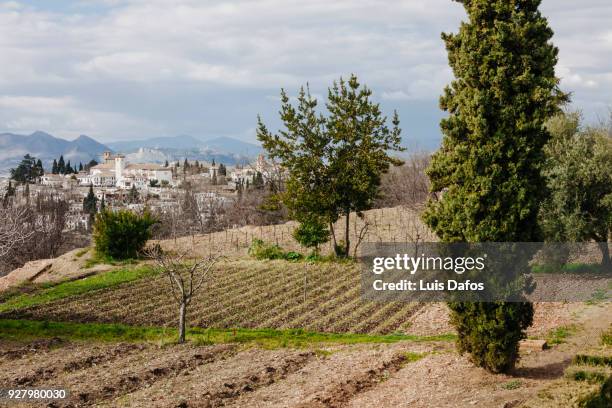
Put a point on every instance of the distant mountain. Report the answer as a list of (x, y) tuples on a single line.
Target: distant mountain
[(223, 149), (177, 142), (47, 147)]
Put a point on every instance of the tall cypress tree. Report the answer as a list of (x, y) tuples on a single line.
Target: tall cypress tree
[(54, 168), (61, 165), (487, 171)]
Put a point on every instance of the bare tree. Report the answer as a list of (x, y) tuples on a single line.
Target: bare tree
[(186, 277), (13, 231), (31, 231), (407, 185)]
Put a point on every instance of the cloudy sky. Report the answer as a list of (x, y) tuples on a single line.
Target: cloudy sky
[(135, 69)]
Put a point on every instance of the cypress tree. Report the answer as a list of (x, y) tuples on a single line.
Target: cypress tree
[(61, 165), (80, 166), (487, 171), (54, 168), (90, 202)]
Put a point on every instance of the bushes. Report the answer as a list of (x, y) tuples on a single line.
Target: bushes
[(262, 250), (121, 234)]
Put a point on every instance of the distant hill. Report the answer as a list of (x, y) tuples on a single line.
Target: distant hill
[(223, 149), (47, 147)]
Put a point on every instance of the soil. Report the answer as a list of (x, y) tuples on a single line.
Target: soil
[(365, 375)]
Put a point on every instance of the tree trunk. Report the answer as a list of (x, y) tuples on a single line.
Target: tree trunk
[(182, 313), (347, 229), (333, 233), (605, 254)]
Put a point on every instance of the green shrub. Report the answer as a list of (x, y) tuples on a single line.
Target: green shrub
[(311, 233), (262, 250), (121, 234), (490, 332), (293, 256)]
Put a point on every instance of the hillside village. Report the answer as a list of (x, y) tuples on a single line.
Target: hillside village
[(117, 184)]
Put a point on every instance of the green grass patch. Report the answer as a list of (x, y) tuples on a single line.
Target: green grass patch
[(590, 376), (560, 335), (262, 250), (98, 259), (592, 360), (412, 357), (512, 385), (74, 288), (266, 338), (568, 268)]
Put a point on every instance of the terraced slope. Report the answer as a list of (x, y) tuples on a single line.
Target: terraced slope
[(244, 293)]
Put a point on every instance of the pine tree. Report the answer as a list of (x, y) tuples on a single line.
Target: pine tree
[(68, 168), (487, 170), (335, 162), (27, 171), (61, 165), (80, 166), (54, 168)]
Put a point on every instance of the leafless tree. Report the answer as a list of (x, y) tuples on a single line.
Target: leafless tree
[(186, 277), (34, 230), (407, 185), (13, 231)]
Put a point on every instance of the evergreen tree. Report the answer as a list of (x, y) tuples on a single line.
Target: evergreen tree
[(27, 171), (90, 204), (258, 181), (9, 192), (92, 163), (335, 162), (68, 168), (102, 205), (166, 163), (487, 170), (61, 165), (80, 166), (40, 171), (54, 168), (222, 170)]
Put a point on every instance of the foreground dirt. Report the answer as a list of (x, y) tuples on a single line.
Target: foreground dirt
[(404, 374)]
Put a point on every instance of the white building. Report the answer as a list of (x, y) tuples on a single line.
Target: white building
[(116, 172)]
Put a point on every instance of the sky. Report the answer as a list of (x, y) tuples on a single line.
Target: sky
[(135, 69)]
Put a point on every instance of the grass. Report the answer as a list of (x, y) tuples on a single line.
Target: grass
[(560, 335), (97, 259), (568, 268), (265, 338), (592, 360), (73, 288), (512, 385), (592, 377)]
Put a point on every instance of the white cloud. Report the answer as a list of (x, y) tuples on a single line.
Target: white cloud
[(144, 67)]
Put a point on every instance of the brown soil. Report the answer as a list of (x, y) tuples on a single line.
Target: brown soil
[(366, 375)]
